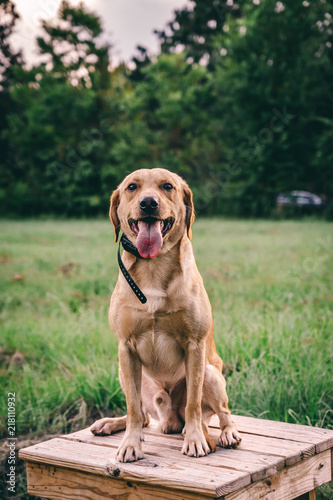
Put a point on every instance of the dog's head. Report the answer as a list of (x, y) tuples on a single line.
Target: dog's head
[(154, 208)]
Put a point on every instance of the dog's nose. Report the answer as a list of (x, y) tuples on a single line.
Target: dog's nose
[(148, 204)]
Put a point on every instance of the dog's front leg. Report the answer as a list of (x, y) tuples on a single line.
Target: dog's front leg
[(195, 444), (131, 369)]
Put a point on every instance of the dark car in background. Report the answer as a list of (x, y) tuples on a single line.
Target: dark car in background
[(299, 201), (299, 198)]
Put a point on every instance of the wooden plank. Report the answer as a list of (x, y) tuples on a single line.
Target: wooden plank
[(292, 451), (198, 467), (258, 465), (248, 422), (290, 482), (57, 483), (263, 450), (264, 443), (163, 471), (322, 438), (97, 460)]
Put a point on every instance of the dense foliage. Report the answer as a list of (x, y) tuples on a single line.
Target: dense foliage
[(239, 102)]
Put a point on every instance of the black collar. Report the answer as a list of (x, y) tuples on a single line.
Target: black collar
[(129, 247)]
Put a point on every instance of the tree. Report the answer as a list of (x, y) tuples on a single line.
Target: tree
[(72, 48), (169, 121), (65, 122), (270, 71), (194, 29), (9, 58), (9, 61), (276, 101), (239, 102)]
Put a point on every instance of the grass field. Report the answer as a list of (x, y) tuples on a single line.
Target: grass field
[(270, 285)]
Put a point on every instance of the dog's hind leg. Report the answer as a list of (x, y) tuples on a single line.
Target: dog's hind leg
[(169, 421), (107, 426), (215, 398)]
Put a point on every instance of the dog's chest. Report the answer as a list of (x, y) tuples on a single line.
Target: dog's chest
[(156, 299), (161, 355)]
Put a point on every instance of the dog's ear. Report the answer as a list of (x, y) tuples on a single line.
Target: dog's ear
[(114, 203), (190, 216)]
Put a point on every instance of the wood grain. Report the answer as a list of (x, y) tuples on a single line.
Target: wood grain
[(322, 438), (164, 471), (291, 482), (60, 484), (258, 455), (259, 465), (275, 460)]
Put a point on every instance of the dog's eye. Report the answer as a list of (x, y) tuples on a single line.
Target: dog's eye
[(167, 186), (132, 187)]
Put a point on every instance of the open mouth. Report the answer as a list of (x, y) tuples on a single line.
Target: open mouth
[(150, 232), (165, 224)]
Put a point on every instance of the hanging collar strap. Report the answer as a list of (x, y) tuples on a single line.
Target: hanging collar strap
[(129, 247)]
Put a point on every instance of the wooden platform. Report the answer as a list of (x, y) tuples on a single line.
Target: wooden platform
[(275, 461)]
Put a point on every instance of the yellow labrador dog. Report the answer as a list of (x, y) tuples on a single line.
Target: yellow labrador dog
[(160, 312)]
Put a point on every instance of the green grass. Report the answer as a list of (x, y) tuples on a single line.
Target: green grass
[(270, 285)]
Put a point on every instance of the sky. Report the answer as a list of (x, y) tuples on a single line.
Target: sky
[(126, 23)]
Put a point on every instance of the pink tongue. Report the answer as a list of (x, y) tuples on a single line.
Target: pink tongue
[(149, 241)]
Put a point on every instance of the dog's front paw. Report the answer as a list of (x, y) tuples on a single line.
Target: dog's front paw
[(195, 445), (129, 451), (230, 437)]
